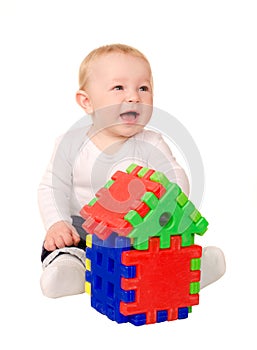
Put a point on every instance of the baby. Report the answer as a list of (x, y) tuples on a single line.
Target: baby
[(116, 90)]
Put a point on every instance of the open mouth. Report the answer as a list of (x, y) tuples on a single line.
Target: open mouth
[(129, 116)]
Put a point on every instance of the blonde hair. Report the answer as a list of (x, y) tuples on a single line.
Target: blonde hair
[(104, 50)]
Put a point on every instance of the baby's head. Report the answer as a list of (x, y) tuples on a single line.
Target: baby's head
[(86, 65), (116, 88)]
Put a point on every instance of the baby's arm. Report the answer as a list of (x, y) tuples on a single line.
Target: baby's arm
[(54, 199), (61, 234), (161, 158), (173, 170)]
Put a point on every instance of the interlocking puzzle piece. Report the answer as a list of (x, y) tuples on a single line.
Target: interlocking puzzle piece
[(166, 281), (172, 214), (142, 287), (143, 203), (105, 213), (152, 274), (103, 275)]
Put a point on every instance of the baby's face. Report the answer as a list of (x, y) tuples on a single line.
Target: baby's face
[(120, 91)]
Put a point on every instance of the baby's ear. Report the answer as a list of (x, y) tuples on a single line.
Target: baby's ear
[(84, 102)]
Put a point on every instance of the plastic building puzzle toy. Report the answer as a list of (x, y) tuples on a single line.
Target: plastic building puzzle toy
[(142, 265)]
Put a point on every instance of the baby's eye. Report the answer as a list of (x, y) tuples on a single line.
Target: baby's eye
[(118, 87), (144, 88)]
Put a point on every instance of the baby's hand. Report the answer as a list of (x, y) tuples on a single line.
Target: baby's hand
[(61, 234)]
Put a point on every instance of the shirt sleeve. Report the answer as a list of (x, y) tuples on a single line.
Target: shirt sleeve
[(55, 187), (162, 159)]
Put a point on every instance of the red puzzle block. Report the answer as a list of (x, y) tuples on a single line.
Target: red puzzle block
[(106, 215), (163, 278)]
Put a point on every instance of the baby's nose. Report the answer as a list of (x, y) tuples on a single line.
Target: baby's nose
[(133, 96)]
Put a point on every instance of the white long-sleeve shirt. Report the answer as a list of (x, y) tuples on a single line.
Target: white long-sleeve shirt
[(78, 169)]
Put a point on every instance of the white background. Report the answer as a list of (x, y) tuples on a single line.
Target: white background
[(203, 56)]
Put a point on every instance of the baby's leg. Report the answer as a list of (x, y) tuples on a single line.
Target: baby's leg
[(63, 273), (213, 265), (64, 269)]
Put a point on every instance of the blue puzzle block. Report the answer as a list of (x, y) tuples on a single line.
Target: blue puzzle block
[(182, 313), (105, 276), (162, 316)]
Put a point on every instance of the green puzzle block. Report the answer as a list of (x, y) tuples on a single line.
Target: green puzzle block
[(172, 214), (195, 264), (194, 287), (161, 178)]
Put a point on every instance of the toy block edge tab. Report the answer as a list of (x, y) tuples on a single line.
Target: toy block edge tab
[(159, 177), (131, 167)]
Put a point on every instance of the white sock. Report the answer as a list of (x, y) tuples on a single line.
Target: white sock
[(213, 265), (65, 275)]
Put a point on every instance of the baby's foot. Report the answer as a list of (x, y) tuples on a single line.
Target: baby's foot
[(213, 265), (65, 275)]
